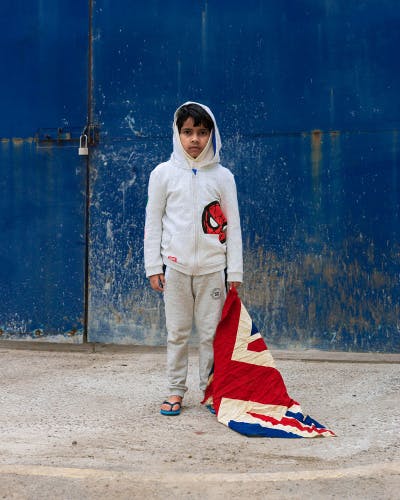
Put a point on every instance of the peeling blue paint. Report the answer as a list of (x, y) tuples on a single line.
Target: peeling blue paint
[(42, 224), (306, 97), (309, 128)]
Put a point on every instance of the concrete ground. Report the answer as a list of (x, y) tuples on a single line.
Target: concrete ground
[(83, 422)]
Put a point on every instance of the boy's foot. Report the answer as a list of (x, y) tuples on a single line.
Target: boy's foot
[(171, 406), (211, 409)]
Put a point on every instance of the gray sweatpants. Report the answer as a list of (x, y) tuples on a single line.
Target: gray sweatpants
[(191, 300)]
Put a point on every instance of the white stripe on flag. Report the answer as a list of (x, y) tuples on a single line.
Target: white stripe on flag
[(244, 338), (232, 409)]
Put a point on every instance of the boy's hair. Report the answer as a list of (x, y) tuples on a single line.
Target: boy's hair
[(199, 115)]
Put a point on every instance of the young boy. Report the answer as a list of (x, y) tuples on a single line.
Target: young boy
[(192, 236)]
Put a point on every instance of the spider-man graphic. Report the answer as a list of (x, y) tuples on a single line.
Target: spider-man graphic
[(214, 221)]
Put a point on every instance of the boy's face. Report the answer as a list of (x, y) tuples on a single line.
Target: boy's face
[(193, 139)]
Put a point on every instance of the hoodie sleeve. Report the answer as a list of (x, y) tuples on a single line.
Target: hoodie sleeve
[(153, 225), (234, 252)]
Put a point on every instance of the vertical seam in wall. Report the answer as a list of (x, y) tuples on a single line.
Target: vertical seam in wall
[(87, 200)]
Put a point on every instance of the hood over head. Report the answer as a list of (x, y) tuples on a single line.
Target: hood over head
[(209, 156)]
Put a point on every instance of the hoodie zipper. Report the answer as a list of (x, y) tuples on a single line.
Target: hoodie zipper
[(194, 191)]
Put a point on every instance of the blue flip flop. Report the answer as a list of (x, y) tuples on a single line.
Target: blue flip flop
[(211, 409), (171, 412)]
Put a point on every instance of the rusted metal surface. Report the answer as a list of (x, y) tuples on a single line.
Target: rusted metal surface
[(306, 98), (43, 106), (329, 275), (309, 128), (41, 270)]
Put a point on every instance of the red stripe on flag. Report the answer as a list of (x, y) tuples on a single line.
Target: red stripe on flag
[(289, 422), (257, 346)]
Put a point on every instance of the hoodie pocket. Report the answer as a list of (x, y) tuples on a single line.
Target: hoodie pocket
[(178, 248), (211, 251)]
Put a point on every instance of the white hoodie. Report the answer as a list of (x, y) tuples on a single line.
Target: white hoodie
[(184, 227)]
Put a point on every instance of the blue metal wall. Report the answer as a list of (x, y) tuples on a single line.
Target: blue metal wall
[(43, 102), (306, 95)]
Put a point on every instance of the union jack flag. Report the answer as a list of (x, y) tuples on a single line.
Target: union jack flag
[(246, 390)]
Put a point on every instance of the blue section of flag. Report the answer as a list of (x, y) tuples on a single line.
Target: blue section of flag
[(305, 420), (254, 329), (260, 431)]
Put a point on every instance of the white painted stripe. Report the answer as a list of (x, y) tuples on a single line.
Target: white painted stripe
[(370, 470)]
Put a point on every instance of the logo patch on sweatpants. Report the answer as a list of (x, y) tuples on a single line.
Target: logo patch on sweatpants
[(216, 293)]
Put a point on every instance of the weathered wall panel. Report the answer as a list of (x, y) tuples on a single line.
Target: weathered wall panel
[(43, 102), (322, 267), (305, 95)]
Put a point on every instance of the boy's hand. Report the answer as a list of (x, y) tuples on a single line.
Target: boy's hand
[(234, 284), (157, 282)]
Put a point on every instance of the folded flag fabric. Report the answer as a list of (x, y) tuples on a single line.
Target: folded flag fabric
[(247, 391)]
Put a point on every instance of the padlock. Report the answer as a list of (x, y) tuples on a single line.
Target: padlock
[(83, 146)]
